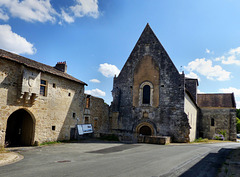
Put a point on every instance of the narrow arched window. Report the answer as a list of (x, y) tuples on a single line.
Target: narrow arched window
[(212, 122), (146, 94)]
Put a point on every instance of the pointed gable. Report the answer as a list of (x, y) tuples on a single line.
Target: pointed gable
[(148, 44)]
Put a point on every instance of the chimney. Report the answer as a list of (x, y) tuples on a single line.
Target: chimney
[(61, 66)]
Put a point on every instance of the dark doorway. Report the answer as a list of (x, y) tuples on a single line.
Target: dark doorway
[(20, 128), (145, 130), (146, 94)]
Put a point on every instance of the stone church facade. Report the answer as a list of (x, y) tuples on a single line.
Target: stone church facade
[(151, 98)]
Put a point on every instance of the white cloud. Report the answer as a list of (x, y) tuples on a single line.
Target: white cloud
[(231, 90), (238, 104), (108, 70), (13, 42), (193, 76), (66, 17), (231, 57), (43, 11), (206, 68), (95, 92), (209, 51), (95, 81), (198, 91), (3, 15), (85, 8), (30, 10)]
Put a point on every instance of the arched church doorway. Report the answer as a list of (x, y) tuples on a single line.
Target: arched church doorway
[(145, 130), (20, 129)]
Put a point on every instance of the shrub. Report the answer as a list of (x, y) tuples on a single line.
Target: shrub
[(223, 132), (218, 137)]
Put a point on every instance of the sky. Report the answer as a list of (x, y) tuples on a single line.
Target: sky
[(96, 37)]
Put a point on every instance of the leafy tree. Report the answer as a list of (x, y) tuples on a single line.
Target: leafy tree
[(238, 113), (238, 125)]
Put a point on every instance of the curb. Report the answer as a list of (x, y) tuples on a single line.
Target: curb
[(9, 158)]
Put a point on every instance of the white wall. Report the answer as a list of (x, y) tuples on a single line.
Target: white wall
[(191, 110)]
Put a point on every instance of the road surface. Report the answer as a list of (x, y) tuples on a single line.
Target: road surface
[(121, 160)]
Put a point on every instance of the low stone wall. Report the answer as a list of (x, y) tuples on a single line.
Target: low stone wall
[(154, 139)]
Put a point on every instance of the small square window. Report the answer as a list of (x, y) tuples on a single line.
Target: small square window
[(53, 127), (74, 115), (54, 85), (69, 94)]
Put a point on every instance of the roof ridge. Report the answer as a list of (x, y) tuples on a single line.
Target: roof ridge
[(36, 65)]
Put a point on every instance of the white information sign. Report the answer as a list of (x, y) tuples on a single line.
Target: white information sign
[(84, 129)]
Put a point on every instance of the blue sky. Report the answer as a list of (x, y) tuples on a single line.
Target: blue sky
[(95, 37)]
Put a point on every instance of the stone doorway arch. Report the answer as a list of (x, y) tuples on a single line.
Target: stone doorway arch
[(20, 129), (145, 129)]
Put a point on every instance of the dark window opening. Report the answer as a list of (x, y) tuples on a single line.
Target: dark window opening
[(69, 94), (212, 122), (54, 127), (88, 101), (54, 85), (43, 88), (146, 94), (74, 115), (162, 85), (86, 120)]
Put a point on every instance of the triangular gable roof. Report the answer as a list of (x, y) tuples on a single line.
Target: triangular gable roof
[(147, 37), (216, 100), (36, 65)]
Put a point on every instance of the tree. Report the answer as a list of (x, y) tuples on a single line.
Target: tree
[(238, 125), (238, 120)]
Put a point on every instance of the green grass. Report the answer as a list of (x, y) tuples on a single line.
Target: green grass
[(205, 140), (201, 140), (50, 143)]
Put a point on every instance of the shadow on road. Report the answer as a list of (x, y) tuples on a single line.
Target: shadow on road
[(209, 165)]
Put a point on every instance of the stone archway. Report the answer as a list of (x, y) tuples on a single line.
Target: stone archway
[(20, 129), (145, 129)]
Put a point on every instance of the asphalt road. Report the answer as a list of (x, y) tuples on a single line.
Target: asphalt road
[(122, 160)]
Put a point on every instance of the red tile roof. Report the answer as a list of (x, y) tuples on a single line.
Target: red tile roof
[(216, 100)]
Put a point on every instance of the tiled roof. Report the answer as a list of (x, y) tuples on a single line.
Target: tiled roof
[(216, 100), (36, 65)]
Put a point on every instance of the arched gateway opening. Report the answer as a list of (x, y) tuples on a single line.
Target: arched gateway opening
[(20, 129)]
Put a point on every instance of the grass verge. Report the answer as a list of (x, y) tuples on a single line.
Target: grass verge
[(50, 143)]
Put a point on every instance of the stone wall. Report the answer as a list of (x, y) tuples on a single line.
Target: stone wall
[(191, 86), (166, 116), (98, 115), (224, 120), (53, 115)]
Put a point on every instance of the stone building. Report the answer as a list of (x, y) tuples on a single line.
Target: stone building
[(38, 102), (217, 113), (96, 112), (150, 97)]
